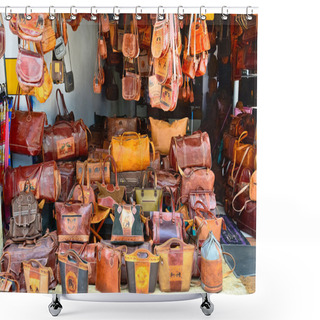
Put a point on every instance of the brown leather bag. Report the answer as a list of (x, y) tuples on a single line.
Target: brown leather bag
[(201, 199), (117, 126), (190, 151), (66, 116), (108, 268), (7, 280), (244, 154), (160, 39), (65, 140), (130, 44), (131, 86), (96, 169), (31, 29), (68, 177), (43, 93), (27, 129), (44, 179), (48, 40)]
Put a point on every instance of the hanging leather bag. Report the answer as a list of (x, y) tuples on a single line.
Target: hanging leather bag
[(131, 83), (31, 29), (244, 154), (48, 41), (66, 116), (160, 38), (130, 44), (2, 38), (43, 93)]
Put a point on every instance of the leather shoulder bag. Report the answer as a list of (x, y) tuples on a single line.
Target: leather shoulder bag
[(31, 29), (130, 44), (66, 115)]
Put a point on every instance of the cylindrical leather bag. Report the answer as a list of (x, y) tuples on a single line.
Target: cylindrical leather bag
[(175, 269), (131, 151), (190, 151), (68, 177), (74, 273), (195, 178), (142, 271), (43, 250), (108, 268), (163, 131), (65, 140), (117, 126), (44, 178)]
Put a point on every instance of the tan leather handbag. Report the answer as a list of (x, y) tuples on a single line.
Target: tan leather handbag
[(131, 82), (160, 39), (244, 154), (96, 169), (163, 131), (131, 151), (130, 44)]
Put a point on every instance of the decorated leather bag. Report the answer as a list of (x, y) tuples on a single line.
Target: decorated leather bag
[(96, 169), (66, 115), (65, 140), (154, 88), (26, 221), (127, 227), (131, 151), (31, 29), (160, 38), (27, 129), (201, 199), (48, 41), (142, 269), (189, 61), (74, 273), (130, 43), (2, 38), (163, 67), (44, 181), (7, 280), (131, 82), (37, 276), (175, 269)]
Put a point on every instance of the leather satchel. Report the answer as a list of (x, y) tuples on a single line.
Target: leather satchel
[(37, 276), (131, 86), (68, 177), (131, 151), (190, 151), (74, 273), (65, 140), (27, 129), (48, 41), (7, 280), (127, 227), (43, 93), (142, 268), (117, 126), (175, 270), (130, 43), (2, 38), (162, 133), (66, 115), (43, 250), (149, 198), (26, 221), (44, 180)]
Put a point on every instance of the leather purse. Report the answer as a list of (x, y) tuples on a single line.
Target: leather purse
[(130, 43), (65, 140), (131, 151), (31, 29), (169, 95), (117, 126), (68, 75), (27, 129), (127, 227), (7, 280), (108, 268), (43, 249), (163, 67), (149, 198), (175, 269), (154, 91), (131, 85), (201, 199), (44, 179), (202, 65), (244, 154), (43, 93), (162, 133), (190, 151), (74, 273), (160, 38), (26, 221), (105, 27), (37, 276), (57, 71), (2, 38), (68, 177), (142, 269), (48, 41), (66, 116)]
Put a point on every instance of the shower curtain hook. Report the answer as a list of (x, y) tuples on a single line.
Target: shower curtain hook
[(138, 16), (180, 14), (116, 15), (203, 15), (72, 15), (249, 15), (7, 15), (160, 16), (51, 15), (224, 15), (93, 16), (28, 16)]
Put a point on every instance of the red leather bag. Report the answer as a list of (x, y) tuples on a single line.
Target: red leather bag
[(190, 151), (66, 116), (68, 176), (65, 140), (27, 129)]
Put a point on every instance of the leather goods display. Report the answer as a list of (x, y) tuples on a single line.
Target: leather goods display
[(108, 268), (194, 179), (43, 249), (26, 221), (130, 43), (66, 115), (68, 177), (201, 199), (127, 227), (31, 29), (163, 131), (73, 220), (44, 179), (211, 265), (149, 198), (244, 154), (142, 271), (7, 280), (27, 129), (65, 140), (86, 251), (2, 38), (131, 151), (190, 151), (74, 273), (37, 276), (117, 126), (95, 169), (175, 269)]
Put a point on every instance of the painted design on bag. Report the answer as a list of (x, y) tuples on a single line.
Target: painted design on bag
[(142, 275), (126, 221), (31, 187), (34, 284), (166, 96), (71, 223), (71, 282), (5, 284), (65, 148), (175, 273)]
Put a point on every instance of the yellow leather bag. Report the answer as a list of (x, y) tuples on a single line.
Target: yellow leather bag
[(163, 131), (43, 93), (131, 151)]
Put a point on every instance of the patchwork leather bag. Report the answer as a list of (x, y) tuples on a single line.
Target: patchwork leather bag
[(26, 221), (142, 269), (74, 273), (7, 280), (130, 43), (66, 115), (65, 140), (37, 276), (127, 227), (2, 38), (175, 269), (44, 181)]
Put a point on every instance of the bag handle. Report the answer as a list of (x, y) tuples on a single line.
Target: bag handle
[(141, 250), (65, 110), (204, 209), (73, 254), (155, 182), (113, 162), (234, 264), (237, 195), (8, 254), (39, 265), (168, 191)]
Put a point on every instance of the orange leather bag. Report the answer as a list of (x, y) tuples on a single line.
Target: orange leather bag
[(103, 52), (244, 154), (48, 40), (163, 67), (31, 29), (130, 44), (189, 61), (43, 93), (160, 39)]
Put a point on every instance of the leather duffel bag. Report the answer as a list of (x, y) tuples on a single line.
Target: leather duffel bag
[(117, 126), (68, 178), (65, 140), (44, 179)]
